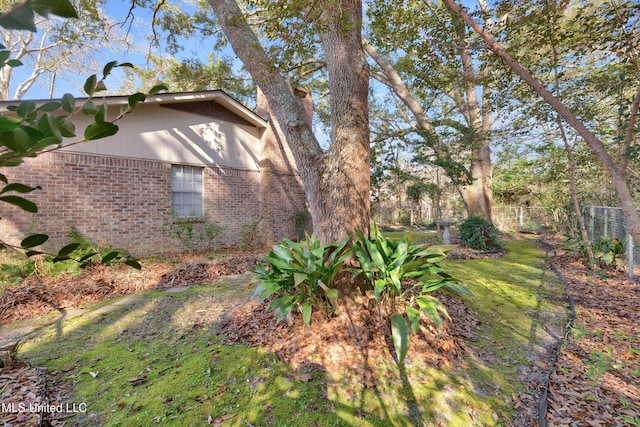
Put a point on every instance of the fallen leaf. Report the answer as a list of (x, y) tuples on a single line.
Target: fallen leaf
[(305, 378)]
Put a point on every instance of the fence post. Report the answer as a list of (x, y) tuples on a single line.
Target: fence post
[(630, 255), (521, 216), (591, 223)]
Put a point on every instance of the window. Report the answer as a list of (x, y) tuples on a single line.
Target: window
[(186, 191)]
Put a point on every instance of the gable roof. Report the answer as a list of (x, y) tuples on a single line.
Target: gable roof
[(211, 103)]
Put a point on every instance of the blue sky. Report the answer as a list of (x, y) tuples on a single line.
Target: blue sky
[(139, 34)]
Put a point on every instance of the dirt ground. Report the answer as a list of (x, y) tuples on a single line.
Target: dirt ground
[(596, 380)]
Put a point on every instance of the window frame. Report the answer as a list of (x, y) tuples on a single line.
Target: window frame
[(178, 188)]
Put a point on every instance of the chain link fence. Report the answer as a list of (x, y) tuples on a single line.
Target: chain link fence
[(608, 222), (520, 217)]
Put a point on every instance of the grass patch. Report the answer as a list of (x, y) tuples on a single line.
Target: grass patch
[(161, 360)]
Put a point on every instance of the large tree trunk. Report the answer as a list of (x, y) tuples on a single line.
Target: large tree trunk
[(617, 175), (477, 196), (336, 182)]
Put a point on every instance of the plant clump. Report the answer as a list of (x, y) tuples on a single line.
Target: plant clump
[(401, 275), (479, 234)]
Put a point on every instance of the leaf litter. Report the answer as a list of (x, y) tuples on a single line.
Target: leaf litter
[(595, 376)]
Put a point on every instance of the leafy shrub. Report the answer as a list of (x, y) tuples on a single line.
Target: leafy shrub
[(301, 275), (250, 234), (479, 234), (71, 259), (607, 251), (404, 217), (13, 274), (385, 263), (192, 232)]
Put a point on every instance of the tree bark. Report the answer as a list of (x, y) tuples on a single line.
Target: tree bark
[(478, 196), (616, 175), (336, 182)]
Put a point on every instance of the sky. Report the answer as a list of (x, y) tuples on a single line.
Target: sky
[(139, 35)]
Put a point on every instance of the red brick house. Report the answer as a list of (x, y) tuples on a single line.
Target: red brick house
[(200, 154)]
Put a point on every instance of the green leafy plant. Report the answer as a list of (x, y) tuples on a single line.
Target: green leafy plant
[(192, 232), (250, 234), (633, 421), (301, 275), (479, 234), (386, 263), (608, 252), (78, 254)]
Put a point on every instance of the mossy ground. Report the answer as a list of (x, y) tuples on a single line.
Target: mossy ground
[(162, 361)]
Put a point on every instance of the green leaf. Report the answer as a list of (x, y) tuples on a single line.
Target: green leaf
[(19, 188), (110, 257), (133, 263), (3, 178), (299, 278), (68, 129), (4, 55), (413, 314), (332, 294), (50, 106), (100, 86), (101, 115), (8, 124), (25, 108), (14, 63), (136, 98), (65, 251), (29, 254), (430, 306), (21, 140), (62, 8), (68, 103), (157, 88), (22, 203), (33, 241), (108, 67), (90, 85), (378, 288), (89, 108), (19, 19), (456, 289), (400, 335), (306, 314), (100, 130), (50, 126)]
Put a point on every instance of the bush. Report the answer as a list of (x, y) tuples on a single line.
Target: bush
[(192, 232), (479, 234), (385, 263), (608, 252), (250, 234), (70, 260), (301, 275)]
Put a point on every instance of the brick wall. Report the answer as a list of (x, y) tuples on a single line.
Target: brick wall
[(123, 202), (280, 175)]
